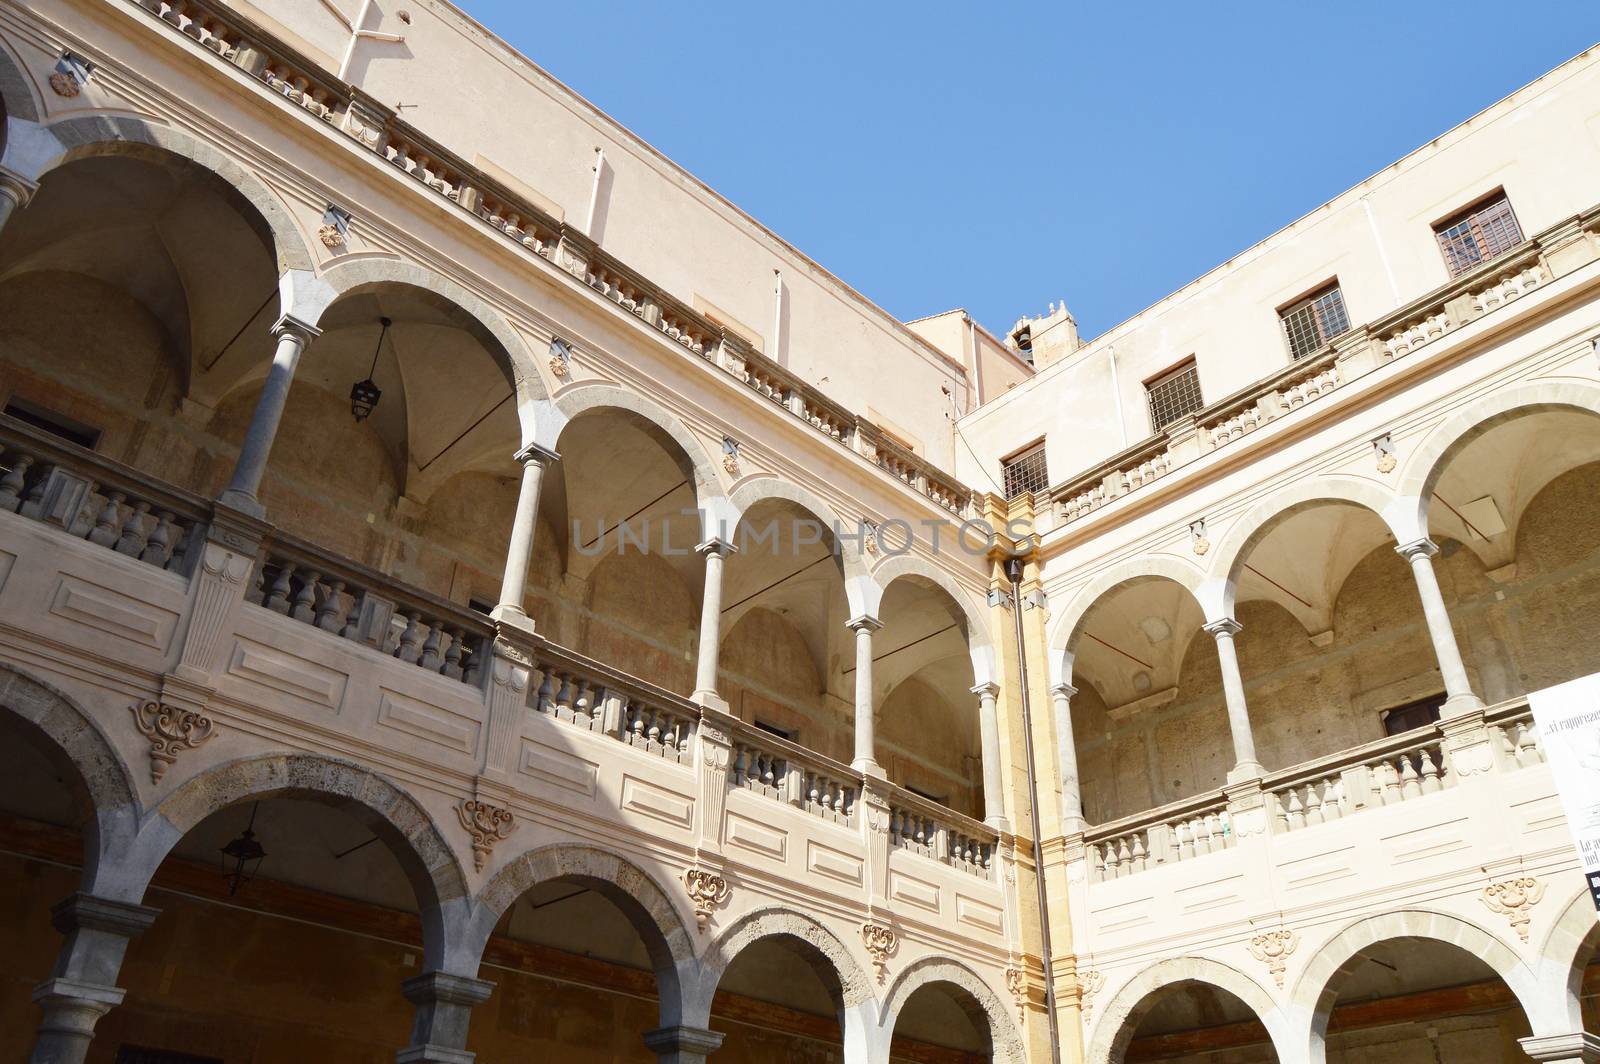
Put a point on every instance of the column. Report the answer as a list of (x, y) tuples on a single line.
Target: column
[(1244, 743), (444, 1008), (15, 192), (1071, 794), (682, 1045), (1457, 688), (994, 810), (866, 761), (83, 984), (293, 336), (715, 552), (1577, 1048), (519, 553)]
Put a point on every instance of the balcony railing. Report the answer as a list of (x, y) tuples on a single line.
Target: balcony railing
[(237, 40)]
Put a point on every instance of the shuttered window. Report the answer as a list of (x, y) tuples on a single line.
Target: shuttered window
[(1478, 234)]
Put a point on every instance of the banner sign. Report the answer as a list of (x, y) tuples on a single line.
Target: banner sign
[(1568, 718)]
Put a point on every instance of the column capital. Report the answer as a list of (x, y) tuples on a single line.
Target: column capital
[(681, 1039), (1064, 689), (300, 329), (1417, 548), (86, 911), (1562, 1048), (430, 987), (864, 622), (716, 545), (1223, 626), (16, 187), (989, 688), (534, 452)]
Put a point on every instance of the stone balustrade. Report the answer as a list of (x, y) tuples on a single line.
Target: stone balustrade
[(1176, 832), (1388, 772), (929, 829), (234, 39)]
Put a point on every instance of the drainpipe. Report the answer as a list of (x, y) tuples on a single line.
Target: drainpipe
[(1014, 571), (1116, 396)]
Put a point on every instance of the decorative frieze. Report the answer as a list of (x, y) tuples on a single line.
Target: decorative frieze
[(708, 891), (171, 731), (1273, 948), (882, 943), (1514, 899), (488, 824)]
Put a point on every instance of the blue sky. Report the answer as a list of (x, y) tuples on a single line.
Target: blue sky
[(1001, 156)]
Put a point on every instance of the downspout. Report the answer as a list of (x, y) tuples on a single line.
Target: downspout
[(1116, 396), (1014, 571), (977, 372)]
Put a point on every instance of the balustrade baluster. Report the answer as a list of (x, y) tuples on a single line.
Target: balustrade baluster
[(1410, 786), (1313, 806), (305, 600), (108, 526), (12, 484), (1138, 852), (432, 657), (1332, 799), (158, 546), (278, 596), (410, 648), (1430, 773), (452, 655), (1297, 812), (1391, 783)]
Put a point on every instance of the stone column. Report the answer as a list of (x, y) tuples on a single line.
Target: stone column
[(1071, 794), (1457, 688), (1577, 1048), (444, 1008), (1244, 743), (715, 552), (15, 192), (519, 553), (682, 1045), (83, 984), (293, 335), (994, 809), (866, 759)]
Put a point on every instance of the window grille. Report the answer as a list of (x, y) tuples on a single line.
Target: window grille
[(1174, 395), (1478, 234), (1314, 321), (1026, 472)]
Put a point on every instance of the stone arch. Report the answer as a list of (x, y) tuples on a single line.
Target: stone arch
[(75, 744), (1572, 941), (902, 566), (641, 900), (859, 586), (837, 967), (108, 135), (1120, 1018), (429, 862), (1064, 633), (1315, 993), (1005, 1039), (18, 98), (1427, 462)]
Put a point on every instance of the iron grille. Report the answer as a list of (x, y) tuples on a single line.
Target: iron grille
[(1311, 323), (1478, 234), (1174, 395), (1026, 472)]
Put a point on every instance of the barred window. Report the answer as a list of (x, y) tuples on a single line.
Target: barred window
[(1478, 234), (1174, 395), (1025, 471), (1315, 320)]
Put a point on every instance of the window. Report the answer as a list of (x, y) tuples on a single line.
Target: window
[(1478, 234), (1315, 320), (55, 424), (938, 799), (1411, 715), (1174, 395), (1025, 471), (773, 729)]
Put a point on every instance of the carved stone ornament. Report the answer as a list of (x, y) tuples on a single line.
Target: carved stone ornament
[(1089, 984), (63, 84), (171, 731), (1514, 898), (1273, 949), (558, 367), (1201, 545), (487, 824), (1387, 462), (881, 943), (1017, 984), (707, 892), (876, 808), (330, 236), (730, 462)]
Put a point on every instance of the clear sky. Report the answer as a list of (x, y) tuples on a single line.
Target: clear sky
[(999, 156)]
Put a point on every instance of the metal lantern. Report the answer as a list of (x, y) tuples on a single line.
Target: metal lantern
[(242, 857), (364, 395)]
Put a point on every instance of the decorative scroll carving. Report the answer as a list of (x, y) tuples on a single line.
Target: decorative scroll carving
[(1089, 984), (707, 892), (1514, 899), (1273, 949), (171, 731), (487, 824), (1017, 984), (882, 943)]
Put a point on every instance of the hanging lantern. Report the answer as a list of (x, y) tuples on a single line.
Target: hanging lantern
[(364, 395), (242, 857)]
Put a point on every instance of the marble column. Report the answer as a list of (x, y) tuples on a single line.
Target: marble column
[(1071, 794), (866, 759), (994, 809), (682, 1045), (1246, 766), (715, 552), (1457, 688), (444, 1008), (519, 552), (293, 336), (83, 984), (15, 192)]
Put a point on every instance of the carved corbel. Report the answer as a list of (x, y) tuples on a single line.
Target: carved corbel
[(882, 943), (170, 730), (488, 824), (708, 891)]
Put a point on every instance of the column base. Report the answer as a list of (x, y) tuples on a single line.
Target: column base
[(997, 823), (869, 767), (71, 1010), (245, 504), (1577, 1048), (682, 1045), (434, 1055), (1246, 770), (710, 700), (1456, 705), (512, 616)]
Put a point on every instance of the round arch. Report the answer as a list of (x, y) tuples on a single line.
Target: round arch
[(859, 586), (646, 906), (430, 864), (18, 98), (1428, 461), (1568, 947), (843, 974), (1064, 633), (84, 137), (1005, 1039), (1121, 1015), (910, 566), (1315, 992)]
